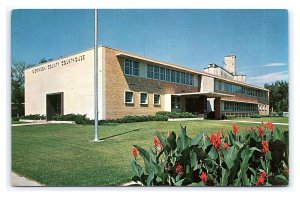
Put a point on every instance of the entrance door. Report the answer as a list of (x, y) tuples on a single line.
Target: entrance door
[(193, 105), (54, 104)]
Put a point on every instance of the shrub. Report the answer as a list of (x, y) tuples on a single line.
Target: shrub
[(15, 118), (176, 114), (255, 157), (34, 117), (77, 118), (228, 117), (255, 116)]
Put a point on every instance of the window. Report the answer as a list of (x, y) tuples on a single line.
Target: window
[(167, 74), (156, 72), (156, 99), (128, 97), (162, 72), (177, 77), (191, 82), (175, 103), (131, 67), (136, 70), (187, 79), (182, 77), (150, 71), (128, 67), (172, 75), (144, 98)]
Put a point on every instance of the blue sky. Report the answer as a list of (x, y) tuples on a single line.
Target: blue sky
[(192, 38)]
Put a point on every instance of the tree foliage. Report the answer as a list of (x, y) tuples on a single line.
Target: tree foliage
[(17, 86), (279, 100)]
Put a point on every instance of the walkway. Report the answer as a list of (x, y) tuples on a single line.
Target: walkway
[(245, 121), (19, 181), (25, 124)]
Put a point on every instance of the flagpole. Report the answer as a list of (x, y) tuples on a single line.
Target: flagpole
[(96, 75)]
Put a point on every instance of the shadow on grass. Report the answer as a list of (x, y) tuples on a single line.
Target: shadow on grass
[(105, 138)]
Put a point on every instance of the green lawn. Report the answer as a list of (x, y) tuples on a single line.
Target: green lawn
[(64, 155)]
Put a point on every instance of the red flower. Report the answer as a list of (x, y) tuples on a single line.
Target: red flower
[(135, 152), (156, 142), (271, 126), (215, 140), (221, 132), (203, 177), (226, 146), (265, 147), (179, 169), (261, 178), (260, 131), (235, 128)]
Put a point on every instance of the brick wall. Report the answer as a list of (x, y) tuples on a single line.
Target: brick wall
[(117, 83)]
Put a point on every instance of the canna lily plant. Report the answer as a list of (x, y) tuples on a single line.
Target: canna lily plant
[(255, 157)]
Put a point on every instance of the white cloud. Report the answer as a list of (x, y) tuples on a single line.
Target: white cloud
[(275, 64), (270, 77)]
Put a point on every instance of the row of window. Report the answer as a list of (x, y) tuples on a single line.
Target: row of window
[(132, 67), (237, 89), (129, 98), (245, 107), (159, 73), (164, 74)]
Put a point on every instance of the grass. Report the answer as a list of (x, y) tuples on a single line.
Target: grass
[(17, 122), (64, 155)]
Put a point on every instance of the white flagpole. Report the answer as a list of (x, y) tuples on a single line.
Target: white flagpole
[(96, 76)]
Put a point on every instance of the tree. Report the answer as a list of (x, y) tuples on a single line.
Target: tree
[(43, 60), (17, 87), (279, 95)]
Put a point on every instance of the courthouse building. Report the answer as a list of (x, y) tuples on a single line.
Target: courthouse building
[(131, 84)]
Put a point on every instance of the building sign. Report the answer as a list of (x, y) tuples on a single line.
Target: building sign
[(59, 63)]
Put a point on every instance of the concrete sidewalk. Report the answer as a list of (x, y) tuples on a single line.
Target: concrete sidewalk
[(20, 181), (245, 121), (25, 124)]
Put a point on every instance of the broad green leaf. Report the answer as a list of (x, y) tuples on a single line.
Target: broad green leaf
[(246, 180), (237, 182), (200, 153), (179, 183), (161, 138), (213, 153), (200, 184), (269, 156), (136, 168), (150, 178), (282, 177), (230, 156), (143, 152), (171, 140), (196, 140), (193, 157), (224, 178), (238, 144)]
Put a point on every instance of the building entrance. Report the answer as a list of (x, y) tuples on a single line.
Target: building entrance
[(54, 105)]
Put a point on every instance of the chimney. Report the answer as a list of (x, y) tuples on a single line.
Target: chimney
[(230, 64)]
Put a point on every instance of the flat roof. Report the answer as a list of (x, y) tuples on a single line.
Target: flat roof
[(207, 94), (153, 61)]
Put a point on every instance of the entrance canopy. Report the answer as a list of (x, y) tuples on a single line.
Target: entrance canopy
[(207, 94)]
